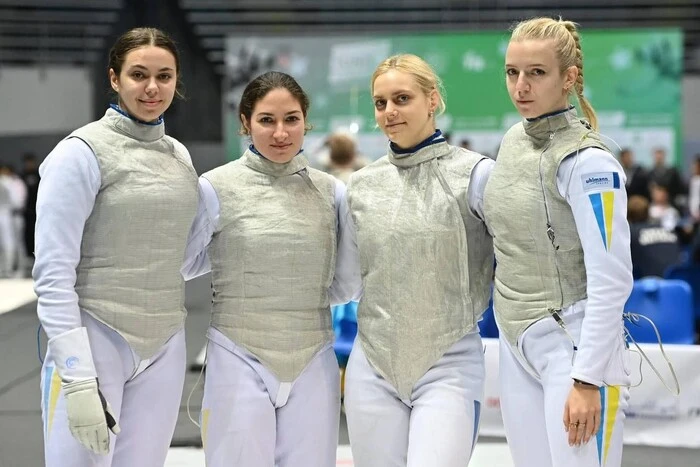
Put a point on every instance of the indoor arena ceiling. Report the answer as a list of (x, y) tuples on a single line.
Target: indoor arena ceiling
[(74, 31)]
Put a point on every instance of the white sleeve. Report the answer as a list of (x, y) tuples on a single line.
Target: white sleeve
[(475, 195), (593, 183), (347, 282), (70, 181), (205, 224)]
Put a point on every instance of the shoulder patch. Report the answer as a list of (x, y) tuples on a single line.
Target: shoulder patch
[(600, 181)]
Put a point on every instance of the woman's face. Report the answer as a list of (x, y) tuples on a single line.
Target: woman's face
[(402, 110), (147, 82), (535, 83), (277, 125)]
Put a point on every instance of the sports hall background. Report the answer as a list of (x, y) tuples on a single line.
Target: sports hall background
[(53, 59)]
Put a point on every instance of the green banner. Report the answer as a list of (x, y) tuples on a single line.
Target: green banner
[(632, 78)]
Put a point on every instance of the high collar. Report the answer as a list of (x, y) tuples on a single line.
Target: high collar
[(141, 131), (256, 161), (430, 148), (543, 127)]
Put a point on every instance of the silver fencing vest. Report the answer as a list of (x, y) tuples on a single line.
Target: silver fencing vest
[(134, 240), (273, 259), (538, 270), (426, 260)]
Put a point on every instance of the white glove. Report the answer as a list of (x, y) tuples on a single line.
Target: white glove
[(90, 416)]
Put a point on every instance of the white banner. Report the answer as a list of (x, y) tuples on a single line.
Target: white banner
[(655, 416)]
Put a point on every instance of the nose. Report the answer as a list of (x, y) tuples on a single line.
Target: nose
[(522, 85), (151, 86), (280, 133), (390, 110)]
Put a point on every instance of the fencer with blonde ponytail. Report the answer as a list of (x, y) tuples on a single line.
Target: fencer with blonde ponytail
[(567, 44)]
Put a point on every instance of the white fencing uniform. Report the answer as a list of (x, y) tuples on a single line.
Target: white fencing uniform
[(7, 234), (115, 205), (557, 206), (18, 193), (274, 238), (414, 381)]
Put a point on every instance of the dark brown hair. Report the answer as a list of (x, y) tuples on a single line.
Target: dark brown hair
[(261, 86), (140, 37), (342, 149)]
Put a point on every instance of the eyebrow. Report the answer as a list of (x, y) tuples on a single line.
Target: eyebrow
[(144, 68), (272, 115), (530, 65), (396, 93)]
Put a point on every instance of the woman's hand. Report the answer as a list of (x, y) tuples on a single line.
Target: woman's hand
[(582, 413)]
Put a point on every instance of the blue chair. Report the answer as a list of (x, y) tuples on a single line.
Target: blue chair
[(345, 327), (691, 274), (669, 304)]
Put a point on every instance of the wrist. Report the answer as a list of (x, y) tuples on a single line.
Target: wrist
[(583, 384), (71, 355)]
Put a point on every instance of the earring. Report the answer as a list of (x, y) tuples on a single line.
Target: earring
[(430, 114)]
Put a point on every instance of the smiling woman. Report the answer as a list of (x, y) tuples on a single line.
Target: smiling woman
[(144, 72), (115, 205), (416, 372), (273, 232)]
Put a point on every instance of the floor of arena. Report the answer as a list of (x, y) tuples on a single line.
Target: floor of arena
[(20, 415)]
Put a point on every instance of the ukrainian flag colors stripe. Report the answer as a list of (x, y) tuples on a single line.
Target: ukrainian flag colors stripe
[(608, 206), (610, 399), (603, 208), (52, 388)]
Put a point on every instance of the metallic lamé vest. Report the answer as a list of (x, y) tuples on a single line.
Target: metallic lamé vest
[(273, 259), (426, 260), (134, 240), (532, 278)]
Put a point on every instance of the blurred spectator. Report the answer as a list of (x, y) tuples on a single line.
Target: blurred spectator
[(637, 178), (694, 191), (7, 236), (342, 157), (466, 144), (30, 176), (18, 199), (666, 176), (653, 248), (661, 211)]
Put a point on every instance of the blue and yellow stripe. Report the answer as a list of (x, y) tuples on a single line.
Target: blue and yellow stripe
[(51, 389), (603, 205), (610, 401)]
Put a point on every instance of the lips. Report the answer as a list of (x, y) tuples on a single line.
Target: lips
[(281, 146), (150, 103)]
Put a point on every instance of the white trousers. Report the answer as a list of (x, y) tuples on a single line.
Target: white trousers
[(249, 418), (144, 394), (438, 426), (8, 242), (532, 405)]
